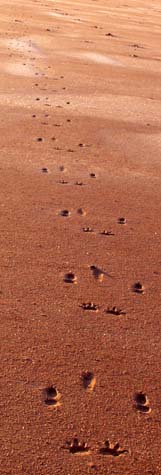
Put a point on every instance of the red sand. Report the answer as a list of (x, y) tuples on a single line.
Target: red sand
[(101, 91)]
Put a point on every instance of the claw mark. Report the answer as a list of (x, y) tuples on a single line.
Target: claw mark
[(110, 449)]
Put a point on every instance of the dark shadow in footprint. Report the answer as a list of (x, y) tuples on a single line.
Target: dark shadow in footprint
[(110, 449), (142, 403), (88, 380), (144, 409), (51, 396), (122, 221), (141, 398), (115, 311), (76, 447)]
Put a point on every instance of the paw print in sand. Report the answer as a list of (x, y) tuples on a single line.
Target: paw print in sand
[(77, 448), (51, 396), (142, 403), (112, 449)]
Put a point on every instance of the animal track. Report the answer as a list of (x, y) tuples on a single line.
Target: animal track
[(138, 288), (97, 273), (63, 182), (44, 170), (87, 230), (70, 278), (88, 380), (78, 448), (65, 213), (90, 306), (79, 183), (81, 211), (122, 221), (92, 175), (107, 233), (51, 396), (110, 449), (115, 311), (142, 402)]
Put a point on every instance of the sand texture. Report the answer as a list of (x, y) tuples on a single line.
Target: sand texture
[(80, 233)]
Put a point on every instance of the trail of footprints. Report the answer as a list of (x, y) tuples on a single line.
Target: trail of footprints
[(51, 397)]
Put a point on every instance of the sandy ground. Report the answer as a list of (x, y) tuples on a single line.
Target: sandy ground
[(80, 95)]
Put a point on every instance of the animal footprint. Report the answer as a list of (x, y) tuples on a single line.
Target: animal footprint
[(138, 288), (110, 449), (78, 448), (122, 221), (51, 396), (70, 278), (79, 183), (63, 182), (99, 273), (88, 230), (65, 213), (44, 170), (142, 403), (81, 211), (107, 233), (90, 306), (88, 380), (115, 311)]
